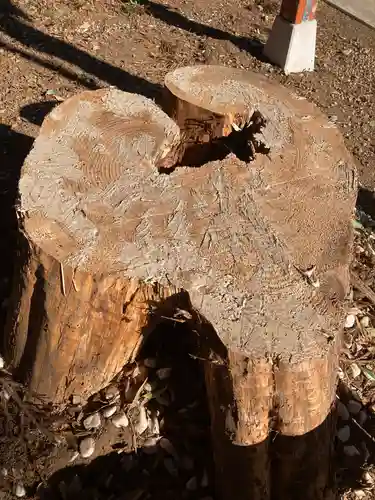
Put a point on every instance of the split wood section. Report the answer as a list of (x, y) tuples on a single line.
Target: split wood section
[(109, 244)]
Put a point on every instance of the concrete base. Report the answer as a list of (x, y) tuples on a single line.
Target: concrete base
[(292, 46)]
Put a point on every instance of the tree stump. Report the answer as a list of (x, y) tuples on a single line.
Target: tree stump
[(279, 238), (258, 248), (76, 316)]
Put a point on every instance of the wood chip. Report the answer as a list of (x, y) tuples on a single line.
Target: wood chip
[(365, 322), (362, 287)]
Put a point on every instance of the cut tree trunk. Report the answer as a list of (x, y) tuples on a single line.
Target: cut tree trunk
[(76, 316), (280, 234), (258, 250)]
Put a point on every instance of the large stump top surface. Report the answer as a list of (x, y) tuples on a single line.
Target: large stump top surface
[(230, 233)]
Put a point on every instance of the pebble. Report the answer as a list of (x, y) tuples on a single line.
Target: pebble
[(150, 363), (87, 447), (347, 52), (351, 451), (141, 423), (167, 446), (367, 478), (147, 387), (128, 462), (140, 372), (186, 462), (2, 363), (356, 371), (333, 118), (359, 493), (343, 434), (362, 417), (76, 400), (342, 411), (164, 373), (204, 480), (192, 484), (111, 392), (109, 411), (19, 490), (120, 420), (365, 322), (354, 407), (163, 399), (171, 466), (92, 421), (150, 446), (350, 321)]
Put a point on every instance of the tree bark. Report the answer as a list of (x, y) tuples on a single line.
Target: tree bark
[(272, 383)]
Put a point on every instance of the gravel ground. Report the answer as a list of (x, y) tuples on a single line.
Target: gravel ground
[(51, 50)]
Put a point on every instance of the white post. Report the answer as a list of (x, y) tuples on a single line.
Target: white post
[(291, 44)]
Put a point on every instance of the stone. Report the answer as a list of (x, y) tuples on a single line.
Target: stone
[(164, 373), (354, 407), (20, 490), (109, 411), (120, 420), (343, 434), (111, 392), (92, 421), (351, 451), (350, 321), (342, 411), (87, 447)]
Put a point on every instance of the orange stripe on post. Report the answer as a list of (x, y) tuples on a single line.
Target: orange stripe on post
[(297, 11)]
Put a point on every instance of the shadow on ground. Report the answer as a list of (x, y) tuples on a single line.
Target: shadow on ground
[(361, 445), (37, 111), (172, 17), (14, 147), (13, 23)]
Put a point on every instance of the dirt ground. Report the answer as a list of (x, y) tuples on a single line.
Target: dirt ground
[(54, 49)]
